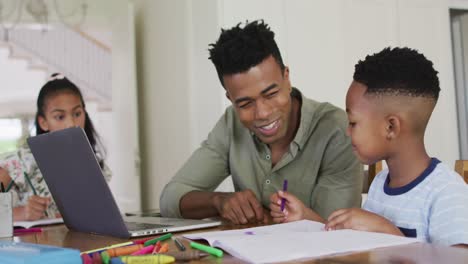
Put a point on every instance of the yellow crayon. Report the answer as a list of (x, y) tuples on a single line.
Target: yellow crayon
[(148, 259)]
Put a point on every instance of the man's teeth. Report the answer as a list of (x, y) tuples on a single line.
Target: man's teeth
[(270, 126)]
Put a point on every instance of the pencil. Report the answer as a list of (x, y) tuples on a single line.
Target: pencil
[(30, 183), (33, 189), (10, 185)]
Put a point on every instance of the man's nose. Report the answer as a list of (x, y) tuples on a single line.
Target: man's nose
[(263, 109)]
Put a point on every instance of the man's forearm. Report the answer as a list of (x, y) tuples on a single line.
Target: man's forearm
[(199, 205)]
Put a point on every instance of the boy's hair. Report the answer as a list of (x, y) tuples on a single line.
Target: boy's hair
[(57, 84), (398, 71), (238, 49)]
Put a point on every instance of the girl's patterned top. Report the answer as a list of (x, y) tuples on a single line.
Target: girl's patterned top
[(21, 164)]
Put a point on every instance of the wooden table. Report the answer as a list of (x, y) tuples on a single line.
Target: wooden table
[(59, 235)]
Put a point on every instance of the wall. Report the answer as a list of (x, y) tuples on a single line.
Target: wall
[(180, 95), (124, 151), (114, 21), (164, 75)]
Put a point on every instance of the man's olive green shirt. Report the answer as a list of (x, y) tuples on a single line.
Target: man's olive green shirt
[(321, 169)]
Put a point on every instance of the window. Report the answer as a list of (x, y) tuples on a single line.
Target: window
[(14, 131)]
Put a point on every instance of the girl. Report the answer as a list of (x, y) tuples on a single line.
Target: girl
[(59, 105)]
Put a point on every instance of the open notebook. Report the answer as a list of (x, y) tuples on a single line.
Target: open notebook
[(40, 222), (293, 241)]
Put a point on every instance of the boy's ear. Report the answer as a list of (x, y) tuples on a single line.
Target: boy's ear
[(43, 123), (393, 127), (227, 96)]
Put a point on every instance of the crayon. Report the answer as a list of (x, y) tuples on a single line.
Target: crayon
[(148, 259), (161, 238), (283, 200), (99, 250), (120, 251), (86, 259), (96, 258), (157, 247), (28, 230), (164, 248), (141, 241), (213, 251), (105, 257), (116, 260), (143, 251), (187, 255)]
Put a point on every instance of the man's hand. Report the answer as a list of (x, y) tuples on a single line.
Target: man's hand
[(240, 207), (35, 208), (359, 219)]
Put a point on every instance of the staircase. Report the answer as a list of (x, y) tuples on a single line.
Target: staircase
[(82, 59)]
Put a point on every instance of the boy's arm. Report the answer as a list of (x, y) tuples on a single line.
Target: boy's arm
[(359, 219), (294, 209)]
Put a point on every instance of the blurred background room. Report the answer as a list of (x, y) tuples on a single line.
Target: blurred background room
[(143, 68)]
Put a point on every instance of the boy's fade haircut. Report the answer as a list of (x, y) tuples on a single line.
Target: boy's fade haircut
[(239, 49), (398, 71)]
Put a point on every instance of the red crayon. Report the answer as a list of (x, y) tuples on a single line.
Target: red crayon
[(86, 259), (27, 230), (157, 247), (96, 258)]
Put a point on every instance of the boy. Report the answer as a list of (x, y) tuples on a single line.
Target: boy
[(389, 104)]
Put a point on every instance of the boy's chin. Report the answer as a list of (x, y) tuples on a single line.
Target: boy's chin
[(365, 161)]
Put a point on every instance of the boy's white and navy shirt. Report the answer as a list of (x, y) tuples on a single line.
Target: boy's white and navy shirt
[(432, 208)]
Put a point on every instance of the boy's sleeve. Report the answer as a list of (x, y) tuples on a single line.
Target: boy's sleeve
[(448, 217)]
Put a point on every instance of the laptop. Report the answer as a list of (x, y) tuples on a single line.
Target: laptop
[(75, 180)]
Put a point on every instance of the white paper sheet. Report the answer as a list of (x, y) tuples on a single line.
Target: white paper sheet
[(293, 241)]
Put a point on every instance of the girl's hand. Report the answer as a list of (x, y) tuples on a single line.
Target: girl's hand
[(35, 208)]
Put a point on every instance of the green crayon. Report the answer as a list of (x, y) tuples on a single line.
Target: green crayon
[(213, 251), (161, 238)]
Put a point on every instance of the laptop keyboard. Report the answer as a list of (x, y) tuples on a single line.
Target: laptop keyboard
[(134, 226)]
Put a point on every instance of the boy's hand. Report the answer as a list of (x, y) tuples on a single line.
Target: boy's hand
[(359, 219), (240, 207), (294, 209)]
